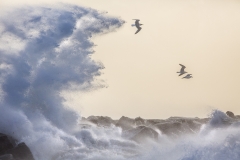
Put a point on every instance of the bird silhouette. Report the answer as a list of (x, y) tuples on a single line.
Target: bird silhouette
[(182, 70), (188, 76), (137, 24)]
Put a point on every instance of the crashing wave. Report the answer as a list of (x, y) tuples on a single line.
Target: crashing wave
[(45, 50)]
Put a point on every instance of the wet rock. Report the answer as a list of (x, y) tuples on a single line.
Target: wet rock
[(9, 150), (150, 122), (177, 126), (126, 123), (21, 152), (5, 143), (6, 157), (230, 114), (237, 117), (144, 134), (139, 121), (101, 121), (141, 134), (169, 128)]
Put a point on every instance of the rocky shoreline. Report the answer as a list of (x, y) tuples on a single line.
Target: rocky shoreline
[(137, 129), (11, 149)]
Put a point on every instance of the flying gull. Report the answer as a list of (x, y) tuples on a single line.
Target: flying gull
[(137, 24), (188, 76), (182, 70)]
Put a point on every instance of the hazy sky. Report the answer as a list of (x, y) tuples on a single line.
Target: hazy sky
[(140, 70)]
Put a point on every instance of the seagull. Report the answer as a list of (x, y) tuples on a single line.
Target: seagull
[(188, 76), (182, 70), (137, 24)]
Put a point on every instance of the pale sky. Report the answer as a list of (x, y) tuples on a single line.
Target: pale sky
[(140, 70)]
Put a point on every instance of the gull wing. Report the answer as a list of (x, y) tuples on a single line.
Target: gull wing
[(181, 73), (139, 28), (188, 76), (183, 67)]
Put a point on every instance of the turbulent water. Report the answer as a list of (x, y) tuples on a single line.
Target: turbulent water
[(45, 50)]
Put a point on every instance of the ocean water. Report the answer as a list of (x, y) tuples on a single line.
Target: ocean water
[(45, 50)]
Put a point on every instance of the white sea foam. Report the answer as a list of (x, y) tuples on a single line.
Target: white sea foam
[(45, 50)]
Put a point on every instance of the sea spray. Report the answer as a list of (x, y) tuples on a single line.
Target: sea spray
[(45, 50), (215, 141)]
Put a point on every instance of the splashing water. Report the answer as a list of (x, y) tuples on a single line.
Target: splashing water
[(213, 142), (45, 50)]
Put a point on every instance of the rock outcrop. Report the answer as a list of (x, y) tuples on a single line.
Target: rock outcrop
[(175, 127), (144, 134), (230, 114), (10, 150), (126, 123), (5, 143), (140, 130), (6, 157), (101, 121)]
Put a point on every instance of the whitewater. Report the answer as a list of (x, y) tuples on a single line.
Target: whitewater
[(47, 50)]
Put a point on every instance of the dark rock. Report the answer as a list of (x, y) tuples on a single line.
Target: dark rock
[(141, 134), (145, 133), (101, 121), (9, 150), (5, 143), (230, 114), (169, 128), (237, 117), (203, 120), (93, 119), (126, 123), (21, 152), (6, 157), (153, 121), (177, 126), (83, 118), (139, 121)]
